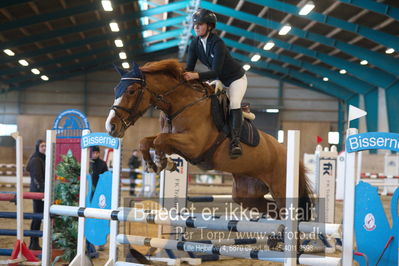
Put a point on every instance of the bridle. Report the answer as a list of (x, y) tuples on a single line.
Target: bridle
[(157, 98), (131, 113)]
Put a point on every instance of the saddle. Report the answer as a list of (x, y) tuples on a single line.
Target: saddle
[(220, 113)]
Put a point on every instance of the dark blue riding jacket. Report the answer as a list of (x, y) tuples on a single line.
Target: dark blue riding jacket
[(221, 64)]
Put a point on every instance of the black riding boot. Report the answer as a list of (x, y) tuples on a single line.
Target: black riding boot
[(34, 244), (235, 130)]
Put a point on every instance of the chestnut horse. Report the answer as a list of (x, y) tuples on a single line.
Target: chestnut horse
[(189, 131)]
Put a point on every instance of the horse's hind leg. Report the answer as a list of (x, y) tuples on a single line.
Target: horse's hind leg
[(250, 193)]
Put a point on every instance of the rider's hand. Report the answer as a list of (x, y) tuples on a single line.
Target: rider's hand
[(191, 75)]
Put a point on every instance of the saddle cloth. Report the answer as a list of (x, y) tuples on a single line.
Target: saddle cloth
[(220, 113)]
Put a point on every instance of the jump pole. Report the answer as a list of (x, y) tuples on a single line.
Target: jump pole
[(349, 204), (292, 187), (48, 196), (19, 196), (84, 166), (80, 258)]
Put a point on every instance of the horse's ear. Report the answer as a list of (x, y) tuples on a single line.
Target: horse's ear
[(135, 67), (120, 70)]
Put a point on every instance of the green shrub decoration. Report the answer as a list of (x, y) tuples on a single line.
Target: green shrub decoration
[(65, 229)]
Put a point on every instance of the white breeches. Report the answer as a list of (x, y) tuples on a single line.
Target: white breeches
[(236, 92)]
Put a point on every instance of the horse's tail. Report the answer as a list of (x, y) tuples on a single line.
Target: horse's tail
[(305, 193)]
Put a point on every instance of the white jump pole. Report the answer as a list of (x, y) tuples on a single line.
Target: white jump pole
[(48, 197), (292, 187), (19, 188), (349, 205), (116, 170)]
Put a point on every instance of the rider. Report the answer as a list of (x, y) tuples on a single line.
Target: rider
[(212, 52)]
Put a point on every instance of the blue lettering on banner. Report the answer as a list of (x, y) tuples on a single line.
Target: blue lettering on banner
[(179, 163), (373, 141), (99, 139), (327, 168)]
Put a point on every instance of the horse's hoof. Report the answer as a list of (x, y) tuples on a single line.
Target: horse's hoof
[(151, 168), (170, 165)]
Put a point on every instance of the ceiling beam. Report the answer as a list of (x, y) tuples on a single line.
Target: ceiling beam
[(353, 68), (337, 91), (94, 39), (376, 7), (97, 51), (23, 22), (62, 74), (374, 35), (92, 25), (346, 81), (377, 59), (93, 51), (7, 3)]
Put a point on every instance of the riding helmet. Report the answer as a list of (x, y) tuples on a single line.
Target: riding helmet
[(204, 16)]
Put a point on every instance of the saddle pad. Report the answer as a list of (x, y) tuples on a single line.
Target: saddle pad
[(249, 133)]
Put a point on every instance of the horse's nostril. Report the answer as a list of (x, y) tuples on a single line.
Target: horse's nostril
[(112, 127)]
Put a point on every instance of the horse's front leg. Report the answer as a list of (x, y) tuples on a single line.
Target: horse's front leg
[(145, 145), (168, 143)]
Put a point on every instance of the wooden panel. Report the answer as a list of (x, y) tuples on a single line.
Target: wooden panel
[(309, 133), (32, 128), (7, 155), (300, 115)]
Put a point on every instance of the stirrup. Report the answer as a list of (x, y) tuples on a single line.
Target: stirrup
[(235, 151)]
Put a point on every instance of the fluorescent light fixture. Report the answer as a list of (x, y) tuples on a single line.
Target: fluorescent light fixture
[(333, 137), (364, 62), (122, 55), (35, 71), (306, 8), (325, 79), (342, 71), (285, 29), (147, 33), (280, 136), (125, 65), (107, 5), (8, 52), (246, 67), (7, 129), (23, 62), (268, 46), (389, 51), (44, 77), (118, 43), (255, 58), (274, 111), (114, 26)]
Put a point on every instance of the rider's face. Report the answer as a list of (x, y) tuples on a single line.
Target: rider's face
[(201, 29)]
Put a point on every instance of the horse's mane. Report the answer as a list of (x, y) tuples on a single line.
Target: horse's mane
[(168, 66), (175, 69)]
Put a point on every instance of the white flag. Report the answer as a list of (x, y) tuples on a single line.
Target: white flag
[(355, 113)]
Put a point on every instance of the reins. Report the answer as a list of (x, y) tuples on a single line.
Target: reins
[(157, 98)]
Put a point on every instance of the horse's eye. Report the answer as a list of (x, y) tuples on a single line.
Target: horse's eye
[(131, 92)]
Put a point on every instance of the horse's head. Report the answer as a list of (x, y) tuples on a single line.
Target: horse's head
[(130, 103)]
